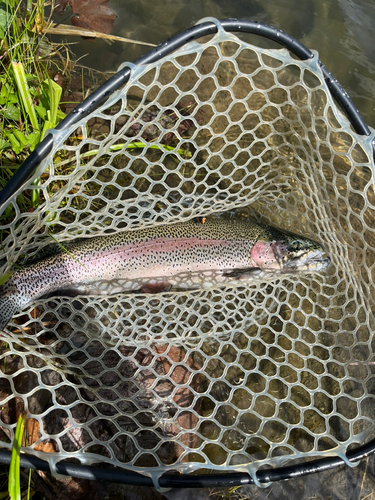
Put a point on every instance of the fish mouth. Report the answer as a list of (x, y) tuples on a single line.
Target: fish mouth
[(316, 261)]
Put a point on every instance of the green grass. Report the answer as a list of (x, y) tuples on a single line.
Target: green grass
[(14, 482), (29, 98), (10, 478)]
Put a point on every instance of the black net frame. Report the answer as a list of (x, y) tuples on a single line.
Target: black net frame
[(17, 182)]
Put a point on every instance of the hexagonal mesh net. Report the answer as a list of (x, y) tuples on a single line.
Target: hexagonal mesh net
[(231, 377)]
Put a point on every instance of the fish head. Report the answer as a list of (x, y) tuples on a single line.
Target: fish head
[(288, 253)]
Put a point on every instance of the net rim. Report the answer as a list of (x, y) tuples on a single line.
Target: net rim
[(167, 480), (225, 479)]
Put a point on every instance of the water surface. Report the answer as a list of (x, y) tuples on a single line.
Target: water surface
[(340, 30)]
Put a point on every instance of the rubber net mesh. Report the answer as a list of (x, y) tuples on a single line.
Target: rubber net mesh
[(226, 378)]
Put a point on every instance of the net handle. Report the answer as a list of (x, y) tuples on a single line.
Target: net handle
[(25, 171)]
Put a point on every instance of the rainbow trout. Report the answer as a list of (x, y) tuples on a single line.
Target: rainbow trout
[(196, 254)]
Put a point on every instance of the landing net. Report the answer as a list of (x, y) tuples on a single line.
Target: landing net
[(229, 378)]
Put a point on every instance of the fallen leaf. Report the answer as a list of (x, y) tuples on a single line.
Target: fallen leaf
[(90, 14), (32, 433)]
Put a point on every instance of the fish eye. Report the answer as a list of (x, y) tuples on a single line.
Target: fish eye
[(296, 245)]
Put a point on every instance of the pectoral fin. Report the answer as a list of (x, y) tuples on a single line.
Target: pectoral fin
[(243, 273)]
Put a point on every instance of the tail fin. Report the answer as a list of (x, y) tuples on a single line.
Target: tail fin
[(8, 307), (9, 302)]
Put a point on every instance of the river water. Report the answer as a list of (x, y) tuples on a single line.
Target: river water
[(340, 30)]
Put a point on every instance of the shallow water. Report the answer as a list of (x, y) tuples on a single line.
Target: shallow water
[(340, 30)]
